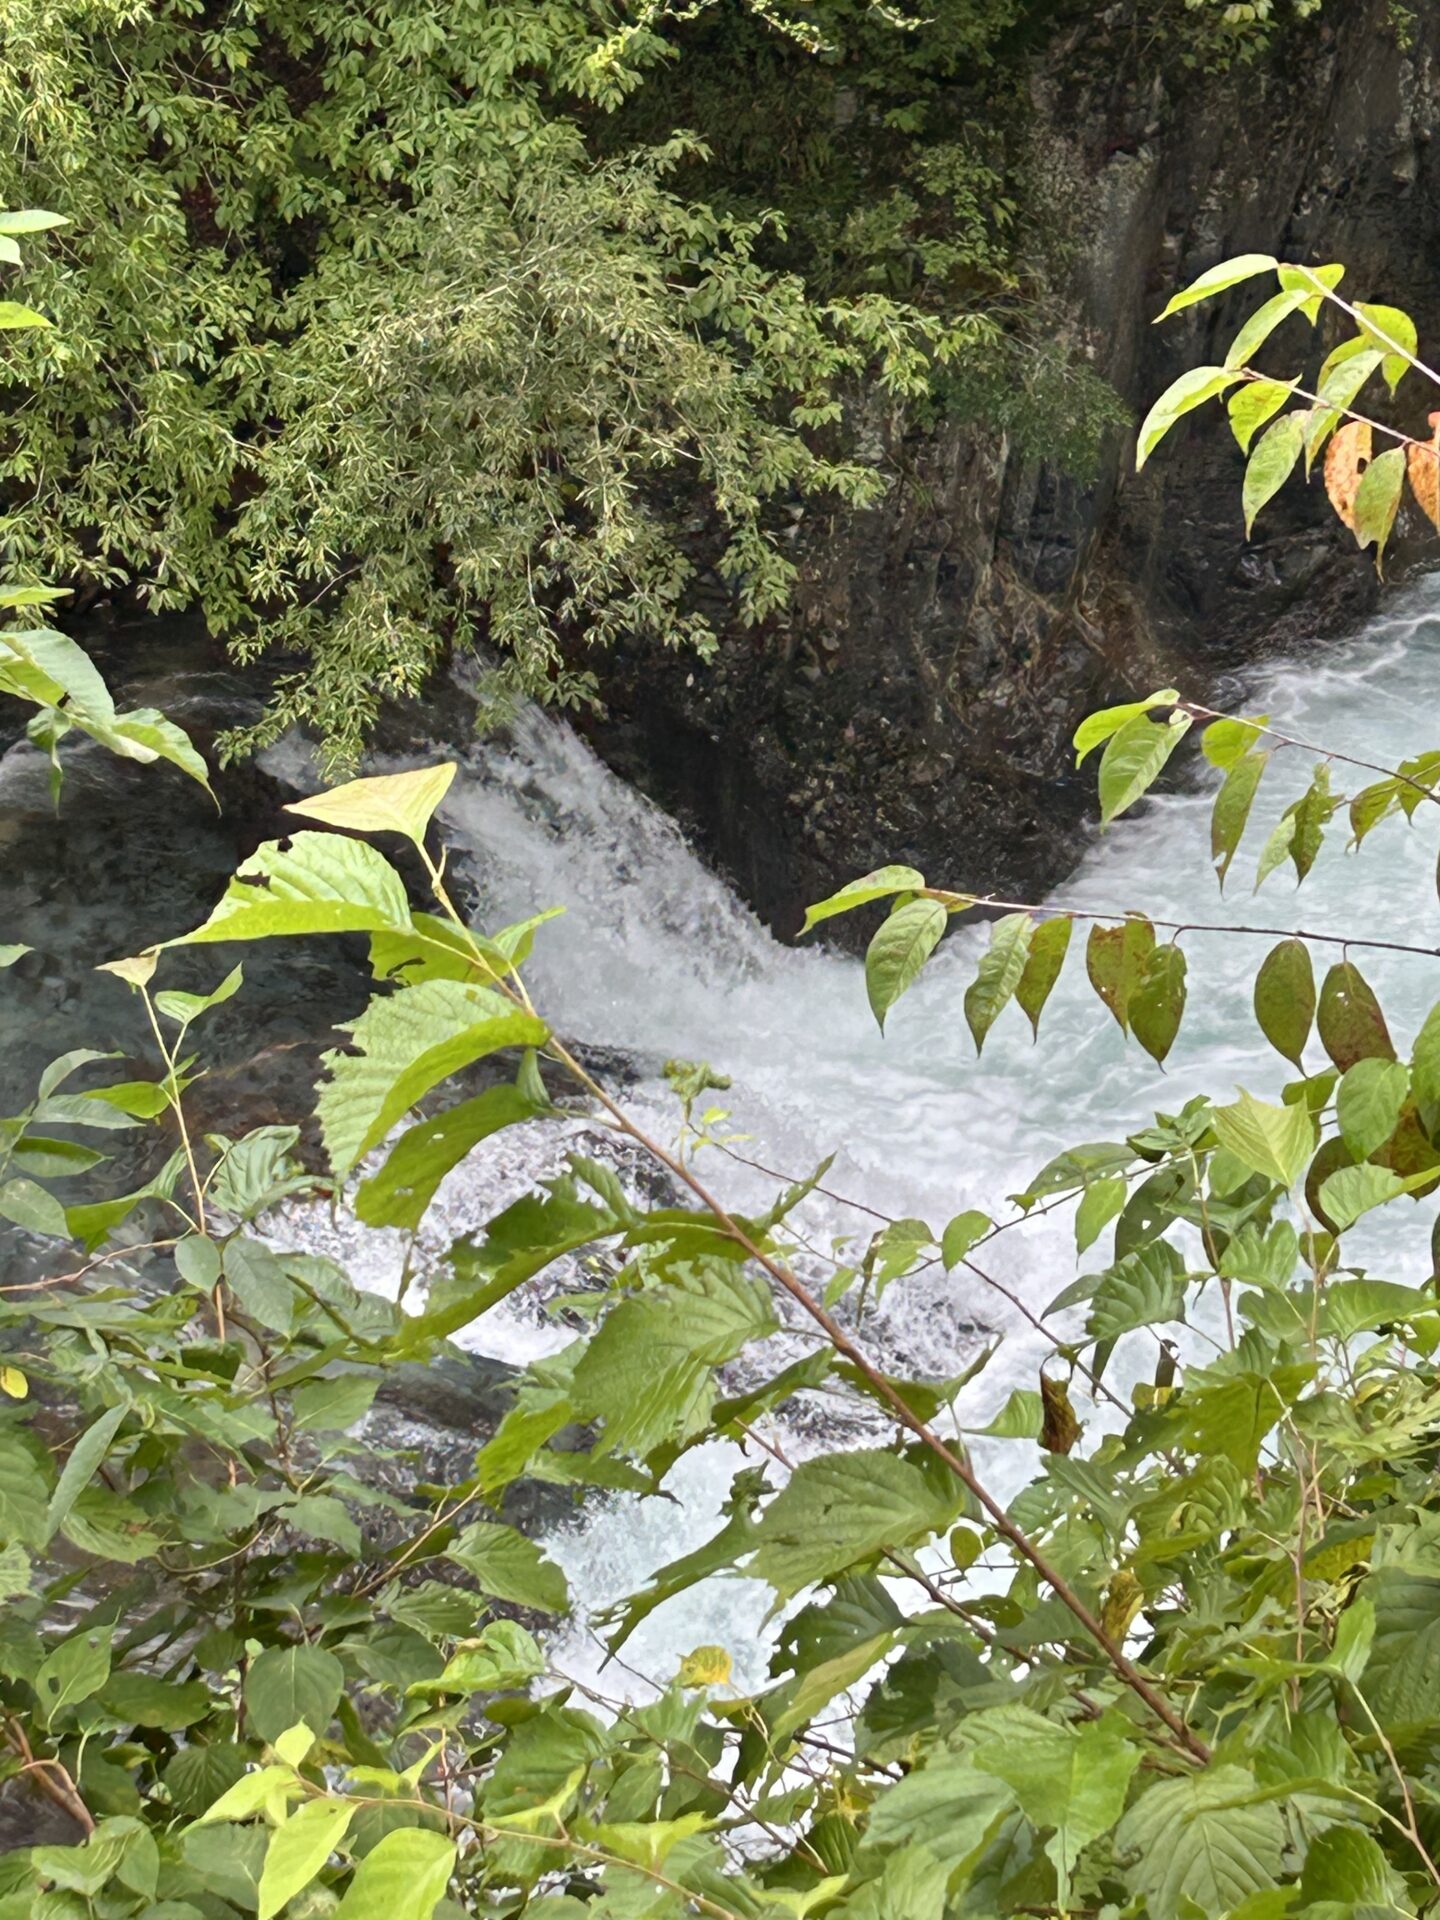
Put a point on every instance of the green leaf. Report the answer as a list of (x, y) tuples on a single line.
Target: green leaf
[(332, 1405), (141, 1700), (14, 317), (1346, 1866), (1101, 1201), (34, 1209), (197, 1261), (316, 883), (1202, 1839), (286, 1685), (1116, 959), (1145, 1289), (197, 1776), (1158, 1004), (259, 1283), (24, 1495), (1229, 273), (406, 1044), (1271, 465), (1346, 372), (1074, 1780), (902, 945), (249, 1792), (1253, 404), (1353, 1191), (1368, 1101), (1135, 757), (1377, 499), (503, 1656), (1393, 331), (12, 951), (1182, 396), (1275, 1142), (1285, 998), (1021, 1418), (1307, 819), (1402, 1677), (649, 1371), (183, 1008), (1425, 1073), (1263, 322), (256, 1172), (1001, 969), (229, 1861), (1224, 742), (960, 1236), (403, 1877), (324, 1517), (299, 1849), (384, 803), (1366, 1306), (399, 1194), (1231, 812), (85, 1458), (76, 1670), (880, 885), (895, 1250), (1351, 1025), (510, 1567), (1313, 279), (843, 1508), (1049, 944), (947, 1807), (1097, 728), (31, 220)]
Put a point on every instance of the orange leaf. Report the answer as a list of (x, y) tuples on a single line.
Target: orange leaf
[(1346, 459), (1424, 466)]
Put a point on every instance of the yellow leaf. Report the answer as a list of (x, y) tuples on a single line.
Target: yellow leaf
[(13, 1382), (135, 972), (386, 803), (1124, 1598), (705, 1667), (294, 1744)]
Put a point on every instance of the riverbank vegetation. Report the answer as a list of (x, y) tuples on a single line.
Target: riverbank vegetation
[(384, 331), (1155, 1638)]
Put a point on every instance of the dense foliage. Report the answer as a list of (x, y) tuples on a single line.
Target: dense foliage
[(381, 330), (1186, 1670)]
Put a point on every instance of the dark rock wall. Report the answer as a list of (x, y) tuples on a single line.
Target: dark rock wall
[(916, 703)]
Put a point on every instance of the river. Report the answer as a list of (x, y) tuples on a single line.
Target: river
[(656, 958)]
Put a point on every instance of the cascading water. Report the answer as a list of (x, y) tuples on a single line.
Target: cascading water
[(656, 957)]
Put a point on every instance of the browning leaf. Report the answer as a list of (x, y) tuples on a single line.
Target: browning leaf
[(1061, 1429), (1423, 463), (1346, 459)]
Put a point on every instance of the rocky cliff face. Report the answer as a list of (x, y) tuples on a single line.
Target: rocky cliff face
[(917, 702)]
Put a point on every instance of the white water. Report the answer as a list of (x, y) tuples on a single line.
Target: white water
[(654, 955)]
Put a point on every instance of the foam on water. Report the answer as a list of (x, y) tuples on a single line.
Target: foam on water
[(655, 956)]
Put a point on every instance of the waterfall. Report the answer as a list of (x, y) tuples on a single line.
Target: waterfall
[(656, 957)]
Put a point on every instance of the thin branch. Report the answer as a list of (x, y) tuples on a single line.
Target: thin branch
[(965, 902), (884, 1390), (1309, 746), (51, 1778)]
